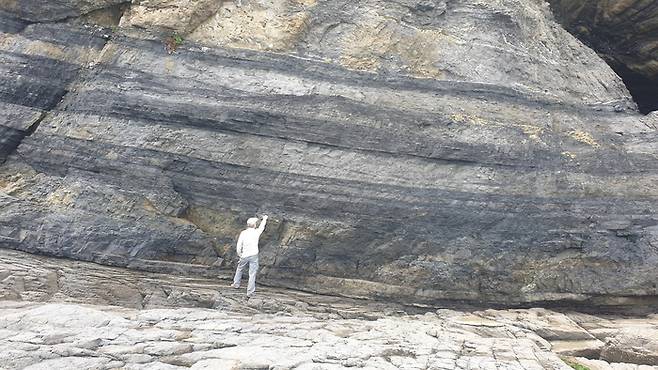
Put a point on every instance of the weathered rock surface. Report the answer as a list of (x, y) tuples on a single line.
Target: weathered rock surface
[(515, 174), (181, 16), (103, 337), (57, 10), (623, 32), (279, 329)]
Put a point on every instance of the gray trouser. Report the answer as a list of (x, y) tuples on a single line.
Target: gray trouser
[(253, 269)]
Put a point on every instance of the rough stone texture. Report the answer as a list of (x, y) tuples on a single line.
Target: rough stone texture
[(625, 33), (181, 16), (103, 337), (523, 180), (56, 10), (505, 43), (280, 329)]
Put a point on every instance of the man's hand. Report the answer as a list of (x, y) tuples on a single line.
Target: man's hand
[(261, 227)]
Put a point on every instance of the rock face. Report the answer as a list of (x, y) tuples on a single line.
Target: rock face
[(625, 33), (417, 151), (58, 10)]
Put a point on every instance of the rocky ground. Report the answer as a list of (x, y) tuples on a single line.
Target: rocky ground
[(167, 322)]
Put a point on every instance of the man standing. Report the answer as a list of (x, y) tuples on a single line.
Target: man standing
[(248, 253)]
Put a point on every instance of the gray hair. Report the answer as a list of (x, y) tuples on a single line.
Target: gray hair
[(252, 222)]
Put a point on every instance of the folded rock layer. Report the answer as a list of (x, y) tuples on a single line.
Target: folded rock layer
[(499, 185)]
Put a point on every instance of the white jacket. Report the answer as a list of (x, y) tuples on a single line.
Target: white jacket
[(248, 240)]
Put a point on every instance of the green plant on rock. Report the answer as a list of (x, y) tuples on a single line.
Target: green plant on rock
[(574, 364), (172, 42)]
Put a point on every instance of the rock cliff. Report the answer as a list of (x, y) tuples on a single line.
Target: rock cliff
[(409, 150)]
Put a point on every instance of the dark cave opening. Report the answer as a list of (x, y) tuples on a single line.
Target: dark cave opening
[(621, 39), (643, 89)]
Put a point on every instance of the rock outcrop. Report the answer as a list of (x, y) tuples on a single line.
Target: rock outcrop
[(625, 33), (44, 325), (411, 150), (92, 337)]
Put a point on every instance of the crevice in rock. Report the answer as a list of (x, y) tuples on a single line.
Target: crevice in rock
[(35, 125), (112, 12), (11, 138), (643, 89), (9, 141), (107, 17)]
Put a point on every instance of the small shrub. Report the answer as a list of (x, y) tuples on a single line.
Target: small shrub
[(172, 43)]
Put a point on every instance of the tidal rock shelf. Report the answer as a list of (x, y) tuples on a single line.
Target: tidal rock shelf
[(102, 337), (380, 183), (56, 313)]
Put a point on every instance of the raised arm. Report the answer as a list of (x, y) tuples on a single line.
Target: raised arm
[(261, 227)]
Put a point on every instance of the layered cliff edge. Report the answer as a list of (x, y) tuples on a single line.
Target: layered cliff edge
[(408, 150), (624, 33)]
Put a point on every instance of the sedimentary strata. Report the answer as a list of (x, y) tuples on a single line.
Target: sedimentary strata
[(518, 173)]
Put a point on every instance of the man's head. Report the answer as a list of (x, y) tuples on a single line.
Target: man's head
[(252, 222)]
